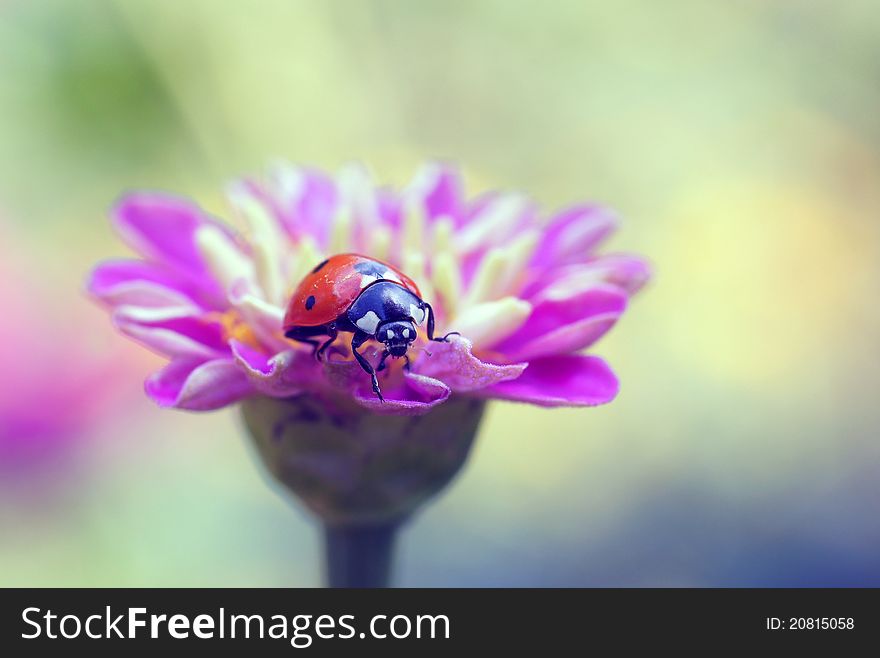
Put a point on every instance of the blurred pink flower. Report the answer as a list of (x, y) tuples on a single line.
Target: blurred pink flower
[(53, 385), (527, 292)]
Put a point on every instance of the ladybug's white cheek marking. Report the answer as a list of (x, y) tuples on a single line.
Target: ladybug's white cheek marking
[(390, 334), (416, 313), (406, 333), (368, 323)]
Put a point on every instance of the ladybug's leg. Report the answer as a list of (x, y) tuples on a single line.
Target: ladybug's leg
[(333, 333), (311, 341), (359, 339), (406, 365), (306, 335), (431, 327)]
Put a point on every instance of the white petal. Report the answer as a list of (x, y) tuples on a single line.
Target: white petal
[(341, 233), (266, 239), (264, 319), (487, 323), (358, 193), (167, 342), (148, 315), (413, 226), (380, 239), (223, 257), (144, 293), (301, 260), (414, 265), (289, 182), (495, 222), (490, 270)]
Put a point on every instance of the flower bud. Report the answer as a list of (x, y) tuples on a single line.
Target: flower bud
[(350, 466)]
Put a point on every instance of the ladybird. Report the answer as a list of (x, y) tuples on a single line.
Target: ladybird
[(364, 296)]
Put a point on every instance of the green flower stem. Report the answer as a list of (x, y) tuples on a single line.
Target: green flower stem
[(359, 555)]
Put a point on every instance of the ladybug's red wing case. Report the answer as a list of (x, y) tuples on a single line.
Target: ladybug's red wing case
[(333, 285), (324, 293)]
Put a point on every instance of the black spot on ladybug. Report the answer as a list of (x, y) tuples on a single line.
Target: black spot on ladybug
[(310, 302), (320, 265)]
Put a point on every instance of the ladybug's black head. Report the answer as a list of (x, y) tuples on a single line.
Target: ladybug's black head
[(397, 336)]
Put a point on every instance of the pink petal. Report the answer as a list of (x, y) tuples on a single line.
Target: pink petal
[(562, 380), (144, 294), (627, 272), (304, 201), (263, 318), (167, 343), (405, 394), (478, 204), (109, 277), (624, 270), (198, 385), (253, 360), (453, 364), (390, 209), (415, 396), (136, 283), (568, 338), (518, 213), (442, 190), (571, 236), (162, 228), (282, 375), (474, 243), (172, 331), (565, 325)]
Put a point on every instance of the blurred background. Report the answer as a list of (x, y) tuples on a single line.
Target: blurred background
[(741, 143)]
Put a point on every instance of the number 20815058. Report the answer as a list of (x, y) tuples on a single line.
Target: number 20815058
[(810, 623)]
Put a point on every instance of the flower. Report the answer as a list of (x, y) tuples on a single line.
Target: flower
[(527, 291)]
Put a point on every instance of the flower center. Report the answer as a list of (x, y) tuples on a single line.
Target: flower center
[(236, 328)]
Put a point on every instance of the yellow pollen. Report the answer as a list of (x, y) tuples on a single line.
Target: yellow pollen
[(234, 328)]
